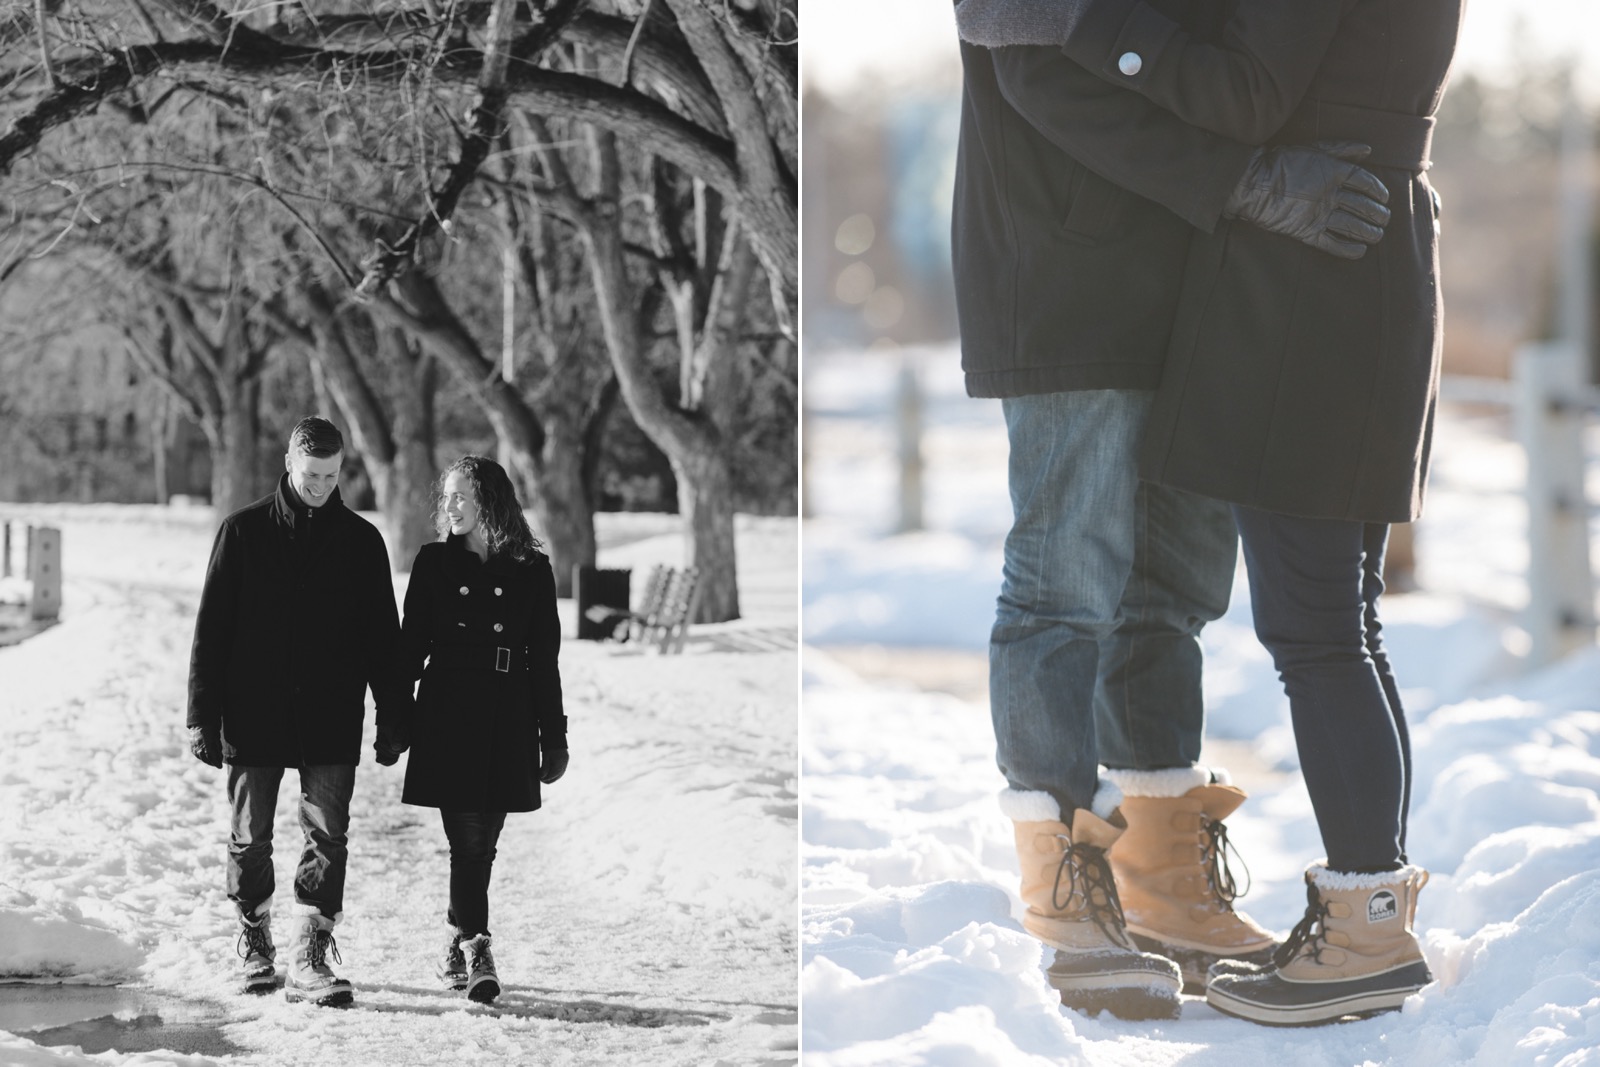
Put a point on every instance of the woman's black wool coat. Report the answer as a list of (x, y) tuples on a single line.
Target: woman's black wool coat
[(1297, 382), (478, 729)]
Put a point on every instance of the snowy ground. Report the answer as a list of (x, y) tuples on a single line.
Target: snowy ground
[(911, 948), (645, 915)]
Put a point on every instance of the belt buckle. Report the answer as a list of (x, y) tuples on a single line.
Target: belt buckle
[(502, 660)]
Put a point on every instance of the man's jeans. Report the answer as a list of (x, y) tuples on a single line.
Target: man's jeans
[(472, 836), (1095, 654), (324, 819)]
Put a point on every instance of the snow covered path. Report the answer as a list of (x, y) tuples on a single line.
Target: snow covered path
[(645, 915)]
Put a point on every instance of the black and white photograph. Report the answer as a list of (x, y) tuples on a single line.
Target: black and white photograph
[(399, 481)]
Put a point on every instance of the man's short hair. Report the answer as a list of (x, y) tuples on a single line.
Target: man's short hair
[(316, 437)]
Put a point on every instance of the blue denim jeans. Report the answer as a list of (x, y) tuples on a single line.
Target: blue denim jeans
[(1314, 588), (1095, 655), (472, 836), (325, 793)]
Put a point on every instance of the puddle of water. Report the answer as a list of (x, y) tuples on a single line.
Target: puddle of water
[(113, 1019)]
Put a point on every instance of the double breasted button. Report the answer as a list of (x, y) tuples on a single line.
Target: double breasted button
[(497, 590), (498, 627), (1130, 63), (463, 590)]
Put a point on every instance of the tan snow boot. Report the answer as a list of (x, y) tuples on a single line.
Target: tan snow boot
[(1071, 905), (1172, 873), (1354, 953)]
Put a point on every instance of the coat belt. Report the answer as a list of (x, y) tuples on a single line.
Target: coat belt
[(1398, 140), (476, 658)]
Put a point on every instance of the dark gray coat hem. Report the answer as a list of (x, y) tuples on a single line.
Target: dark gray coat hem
[(1033, 381)]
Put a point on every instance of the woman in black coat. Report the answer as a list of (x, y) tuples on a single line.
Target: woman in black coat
[(1313, 421), (480, 609)]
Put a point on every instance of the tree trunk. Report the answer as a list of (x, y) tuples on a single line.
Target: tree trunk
[(235, 433), (561, 507), (705, 491), (707, 506)]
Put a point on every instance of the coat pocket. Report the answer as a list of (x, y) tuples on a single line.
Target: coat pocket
[(1095, 208)]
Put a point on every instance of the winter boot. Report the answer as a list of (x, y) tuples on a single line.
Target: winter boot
[(453, 967), (310, 977), (1071, 905), (1172, 871), (1354, 953), (259, 973), (483, 985)]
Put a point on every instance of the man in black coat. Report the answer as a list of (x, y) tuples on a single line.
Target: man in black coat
[(297, 619), (1074, 204)]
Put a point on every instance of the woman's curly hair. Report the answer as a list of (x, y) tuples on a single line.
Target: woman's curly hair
[(500, 517)]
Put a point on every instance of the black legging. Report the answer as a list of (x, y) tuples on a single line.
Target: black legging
[(472, 836), (1314, 588)]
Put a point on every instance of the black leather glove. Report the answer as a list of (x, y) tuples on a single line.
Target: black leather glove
[(206, 744), (1316, 194), (553, 765), (393, 739)]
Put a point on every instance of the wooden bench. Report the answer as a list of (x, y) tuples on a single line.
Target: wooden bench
[(666, 609)]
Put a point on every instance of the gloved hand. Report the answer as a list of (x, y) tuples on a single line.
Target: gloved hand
[(553, 765), (206, 744), (1314, 194), (996, 23), (393, 739)]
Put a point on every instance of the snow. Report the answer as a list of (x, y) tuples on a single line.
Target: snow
[(646, 914), (911, 948)]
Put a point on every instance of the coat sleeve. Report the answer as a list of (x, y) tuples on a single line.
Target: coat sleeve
[(544, 647), (214, 628), (391, 690), (416, 627), (1117, 134), (1244, 87)]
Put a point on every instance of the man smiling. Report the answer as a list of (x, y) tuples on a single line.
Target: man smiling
[(297, 619)]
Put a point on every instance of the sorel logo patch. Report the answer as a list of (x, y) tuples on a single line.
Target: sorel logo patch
[(1382, 906)]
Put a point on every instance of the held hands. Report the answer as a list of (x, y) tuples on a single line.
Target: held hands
[(553, 765), (206, 744), (1316, 194), (393, 739)]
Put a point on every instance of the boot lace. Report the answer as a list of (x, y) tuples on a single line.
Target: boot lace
[(254, 940), (1087, 870), (1309, 931), (320, 947), (1218, 871)]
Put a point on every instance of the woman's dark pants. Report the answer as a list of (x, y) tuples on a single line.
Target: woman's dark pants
[(472, 835), (1314, 587)]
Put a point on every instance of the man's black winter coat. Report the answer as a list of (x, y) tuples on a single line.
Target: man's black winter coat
[(1074, 203), (297, 620)]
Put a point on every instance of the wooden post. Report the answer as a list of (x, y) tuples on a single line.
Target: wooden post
[(1549, 415), (909, 423), (44, 571), (5, 554)]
